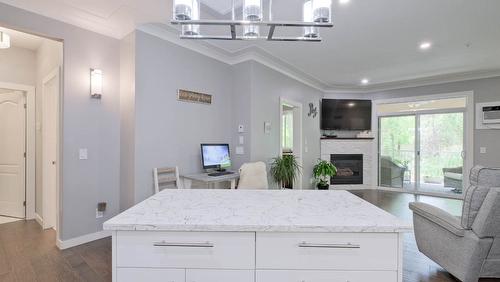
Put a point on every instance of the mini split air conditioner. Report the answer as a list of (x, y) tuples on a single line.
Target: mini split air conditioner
[(488, 115), (491, 114)]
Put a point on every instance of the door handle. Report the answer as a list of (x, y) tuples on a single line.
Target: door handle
[(329, 246), (184, 245)]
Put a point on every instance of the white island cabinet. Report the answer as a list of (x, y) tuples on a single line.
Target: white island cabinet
[(256, 236)]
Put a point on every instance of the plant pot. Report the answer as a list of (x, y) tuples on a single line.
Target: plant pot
[(323, 187)]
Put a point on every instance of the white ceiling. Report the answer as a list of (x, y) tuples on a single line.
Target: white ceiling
[(373, 39), (23, 40)]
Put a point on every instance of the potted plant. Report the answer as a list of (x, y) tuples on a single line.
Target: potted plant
[(284, 170), (322, 172)]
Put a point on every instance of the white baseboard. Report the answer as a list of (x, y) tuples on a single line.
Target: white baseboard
[(62, 245), (39, 219)]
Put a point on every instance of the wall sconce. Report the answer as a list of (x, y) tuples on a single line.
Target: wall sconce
[(95, 83), (4, 40)]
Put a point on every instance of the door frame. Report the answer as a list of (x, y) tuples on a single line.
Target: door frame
[(298, 184), (48, 201), (468, 132), (30, 144)]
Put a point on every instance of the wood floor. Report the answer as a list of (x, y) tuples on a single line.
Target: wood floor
[(27, 253)]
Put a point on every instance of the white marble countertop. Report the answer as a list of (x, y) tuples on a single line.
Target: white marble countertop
[(258, 211)]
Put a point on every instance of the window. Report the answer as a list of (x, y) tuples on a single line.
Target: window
[(287, 131)]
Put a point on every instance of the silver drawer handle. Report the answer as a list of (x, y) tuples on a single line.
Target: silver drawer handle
[(329, 246), (184, 245)]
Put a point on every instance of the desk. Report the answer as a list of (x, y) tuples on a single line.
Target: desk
[(209, 180)]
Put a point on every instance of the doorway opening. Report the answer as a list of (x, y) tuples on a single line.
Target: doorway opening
[(30, 128), (291, 136), (423, 146)]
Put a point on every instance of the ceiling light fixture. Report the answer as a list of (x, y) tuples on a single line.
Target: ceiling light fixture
[(344, 2), (365, 81), (316, 14), (425, 45), (4, 40)]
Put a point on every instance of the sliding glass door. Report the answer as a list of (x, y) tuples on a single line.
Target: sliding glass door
[(397, 152), (422, 151), (441, 162)]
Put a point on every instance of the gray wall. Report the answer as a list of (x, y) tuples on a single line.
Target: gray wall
[(18, 65), (485, 90), (169, 132), (87, 123), (241, 113), (267, 88)]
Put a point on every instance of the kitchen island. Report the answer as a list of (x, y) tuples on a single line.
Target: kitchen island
[(262, 236)]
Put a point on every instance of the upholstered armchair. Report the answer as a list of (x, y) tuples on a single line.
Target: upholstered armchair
[(468, 247)]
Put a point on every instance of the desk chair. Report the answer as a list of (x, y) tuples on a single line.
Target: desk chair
[(166, 177), (253, 176)]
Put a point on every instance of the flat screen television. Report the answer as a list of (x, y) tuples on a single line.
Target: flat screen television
[(346, 114)]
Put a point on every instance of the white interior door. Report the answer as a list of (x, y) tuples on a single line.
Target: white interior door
[(50, 92), (12, 154)]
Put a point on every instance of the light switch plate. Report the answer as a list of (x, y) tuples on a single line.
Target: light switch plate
[(482, 150), (267, 127), (99, 214), (240, 150), (83, 154)]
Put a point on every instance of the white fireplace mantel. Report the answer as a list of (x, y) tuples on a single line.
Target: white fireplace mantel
[(365, 147)]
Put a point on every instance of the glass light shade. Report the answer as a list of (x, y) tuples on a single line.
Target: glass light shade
[(322, 10), (252, 10), (193, 29), (4, 41), (309, 31), (95, 83), (185, 10), (251, 31)]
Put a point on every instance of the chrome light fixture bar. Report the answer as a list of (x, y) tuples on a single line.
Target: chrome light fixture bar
[(316, 14)]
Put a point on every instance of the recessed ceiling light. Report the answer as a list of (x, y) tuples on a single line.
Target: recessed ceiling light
[(343, 2), (425, 45), (365, 81)]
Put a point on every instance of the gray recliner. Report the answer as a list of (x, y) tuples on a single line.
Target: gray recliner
[(468, 247)]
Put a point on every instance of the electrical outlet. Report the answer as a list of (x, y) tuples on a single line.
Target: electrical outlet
[(482, 150), (99, 214)]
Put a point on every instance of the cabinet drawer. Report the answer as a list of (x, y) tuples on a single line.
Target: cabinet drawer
[(328, 251), (325, 276), (150, 275), (209, 275), (217, 250)]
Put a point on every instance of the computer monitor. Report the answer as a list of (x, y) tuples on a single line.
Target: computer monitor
[(215, 156)]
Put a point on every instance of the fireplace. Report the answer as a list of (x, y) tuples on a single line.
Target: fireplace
[(349, 169)]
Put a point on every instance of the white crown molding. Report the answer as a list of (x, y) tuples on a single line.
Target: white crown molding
[(259, 55), (253, 53), (417, 82)]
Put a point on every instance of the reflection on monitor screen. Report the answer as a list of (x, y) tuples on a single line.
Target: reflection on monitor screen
[(215, 156)]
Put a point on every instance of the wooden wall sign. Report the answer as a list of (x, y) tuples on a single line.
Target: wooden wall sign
[(194, 97)]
